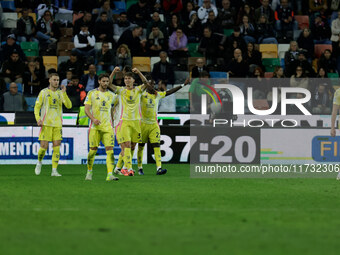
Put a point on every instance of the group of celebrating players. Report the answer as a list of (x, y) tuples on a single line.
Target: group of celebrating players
[(128, 112)]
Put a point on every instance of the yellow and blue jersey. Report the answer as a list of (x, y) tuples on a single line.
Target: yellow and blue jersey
[(149, 106)]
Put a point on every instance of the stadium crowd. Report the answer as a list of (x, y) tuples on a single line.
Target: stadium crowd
[(258, 39)]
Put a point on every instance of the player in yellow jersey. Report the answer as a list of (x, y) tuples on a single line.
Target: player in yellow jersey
[(48, 111), (335, 111), (98, 107), (128, 130), (150, 128)]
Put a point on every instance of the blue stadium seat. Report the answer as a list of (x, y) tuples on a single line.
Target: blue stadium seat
[(218, 75), (119, 7), (18, 84), (30, 103), (8, 4)]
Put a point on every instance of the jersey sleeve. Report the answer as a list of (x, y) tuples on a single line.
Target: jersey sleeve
[(38, 104), (66, 100), (336, 99), (88, 98), (161, 94)]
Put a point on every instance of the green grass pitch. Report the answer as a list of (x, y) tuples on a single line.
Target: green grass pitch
[(170, 214)]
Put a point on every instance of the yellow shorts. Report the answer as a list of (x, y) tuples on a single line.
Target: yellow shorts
[(50, 134), (128, 131), (107, 138), (151, 132)]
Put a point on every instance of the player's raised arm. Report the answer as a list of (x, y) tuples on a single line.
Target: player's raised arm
[(66, 100), (334, 114), (37, 108), (142, 77), (173, 90), (112, 75)]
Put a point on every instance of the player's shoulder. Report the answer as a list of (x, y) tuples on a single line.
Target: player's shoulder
[(91, 91)]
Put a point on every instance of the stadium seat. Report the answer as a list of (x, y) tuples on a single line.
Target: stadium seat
[(66, 34), (282, 61), (228, 32), (192, 48), (302, 20), (282, 49), (30, 101), (119, 7), (180, 76), (18, 84), (8, 4), (320, 48), (268, 74), (218, 75), (50, 62), (77, 16), (270, 64), (130, 2), (182, 105), (268, 50), (31, 49), (9, 19), (142, 63), (192, 62), (334, 77), (64, 48), (32, 14), (296, 34), (62, 59)]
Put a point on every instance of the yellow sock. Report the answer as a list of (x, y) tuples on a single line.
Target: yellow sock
[(120, 161), (55, 157), (41, 154), (127, 158), (158, 157), (140, 156), (90, 159), (110, 161)]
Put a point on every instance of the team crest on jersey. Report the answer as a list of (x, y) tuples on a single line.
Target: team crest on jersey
[(54, 101), (103, 103), (130, 97), (97, 98)]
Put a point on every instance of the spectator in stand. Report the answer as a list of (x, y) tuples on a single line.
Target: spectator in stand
[(33, 78), (209, 46), (265, 31), (252, 57), (132, 40), (259, 84), (26, 28), (321, 31), (186, 12), (247, 30), (321, 100), (13, 101), (139, 13), (30, 5), (327, 62), (174, 24), (230, 42), (306, 66), (227, 15), (178, 42), (299, 79), (194, 28), (9, 47), (103, 29), (237, 67), (68, 79), (318, 7), (105, 58), (306, 42), (285, 23), (105, 8), (171, 7), (47, 30), (156, 42), (87, 20), (123, 56), (291, 57), (90, 80), (335, 33), (121, 25), (84, 43), (278, 72), (76, 92), (265, 10), (322, 74), (74, 64), (213, 23), (245, 10), (13, 69), (163, 70), (160, 24), (47, 5), (203, 11), (199, 68)]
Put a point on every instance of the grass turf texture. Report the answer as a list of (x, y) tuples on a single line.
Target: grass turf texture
[(170, 214)]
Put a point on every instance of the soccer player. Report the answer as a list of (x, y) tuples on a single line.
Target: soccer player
[(48, 113), (336, 107), (98, 107), (128, 130), (150, 128)]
